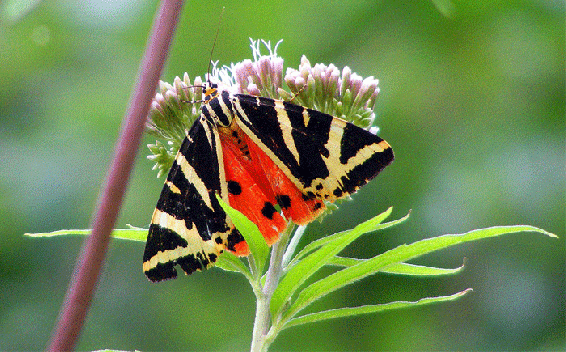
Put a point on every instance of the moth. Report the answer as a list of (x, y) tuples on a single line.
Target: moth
[(256, 153)]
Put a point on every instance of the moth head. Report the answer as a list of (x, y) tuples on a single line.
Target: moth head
[(211, 90)]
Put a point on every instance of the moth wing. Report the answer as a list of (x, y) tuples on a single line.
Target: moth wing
[(327, 158), (188, 227)]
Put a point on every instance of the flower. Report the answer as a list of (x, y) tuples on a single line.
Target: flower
[(340, 93)]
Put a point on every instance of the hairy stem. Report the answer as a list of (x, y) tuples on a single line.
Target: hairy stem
[(262, 322)]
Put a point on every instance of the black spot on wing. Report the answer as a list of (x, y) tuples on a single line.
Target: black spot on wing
[(234, 188), (268, 210), (283, 200)]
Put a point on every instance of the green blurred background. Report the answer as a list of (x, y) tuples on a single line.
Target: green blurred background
[(472, 100)]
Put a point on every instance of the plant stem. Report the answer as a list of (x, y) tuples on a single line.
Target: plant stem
[(262, 322), (290, 251), (89, 265)]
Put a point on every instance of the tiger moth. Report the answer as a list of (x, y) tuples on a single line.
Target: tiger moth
[(258, 154)]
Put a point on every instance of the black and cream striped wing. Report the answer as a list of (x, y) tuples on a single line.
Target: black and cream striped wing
[(326, 158), (188, 227)]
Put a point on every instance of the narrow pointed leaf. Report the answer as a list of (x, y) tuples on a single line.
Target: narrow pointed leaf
[(314, 261), (399, 254), (312, 246), (399, 268), (133, 234), (324, 240), (256, 242), (346, 312)]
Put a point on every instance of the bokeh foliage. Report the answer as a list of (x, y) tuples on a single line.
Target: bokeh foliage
[(472, 103)]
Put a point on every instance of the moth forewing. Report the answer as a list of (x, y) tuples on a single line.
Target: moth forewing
[(326, 157)]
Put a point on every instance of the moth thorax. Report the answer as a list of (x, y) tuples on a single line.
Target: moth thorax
[(220, 108)]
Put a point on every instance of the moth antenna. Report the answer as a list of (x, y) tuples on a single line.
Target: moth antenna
[(203, 87), (214, 45), (195, 86)]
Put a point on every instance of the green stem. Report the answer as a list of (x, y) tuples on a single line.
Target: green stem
[(290, 251), (262, 323)]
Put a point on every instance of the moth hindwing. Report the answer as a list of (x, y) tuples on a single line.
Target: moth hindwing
[(255, 153)]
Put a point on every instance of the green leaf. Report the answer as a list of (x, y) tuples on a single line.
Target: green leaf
[(312, 246), (314, 261), (256, 242), (346, 312), (399, 268), (230, 262), (132, 234), (399, 254), (419, 270), (324, 240)]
